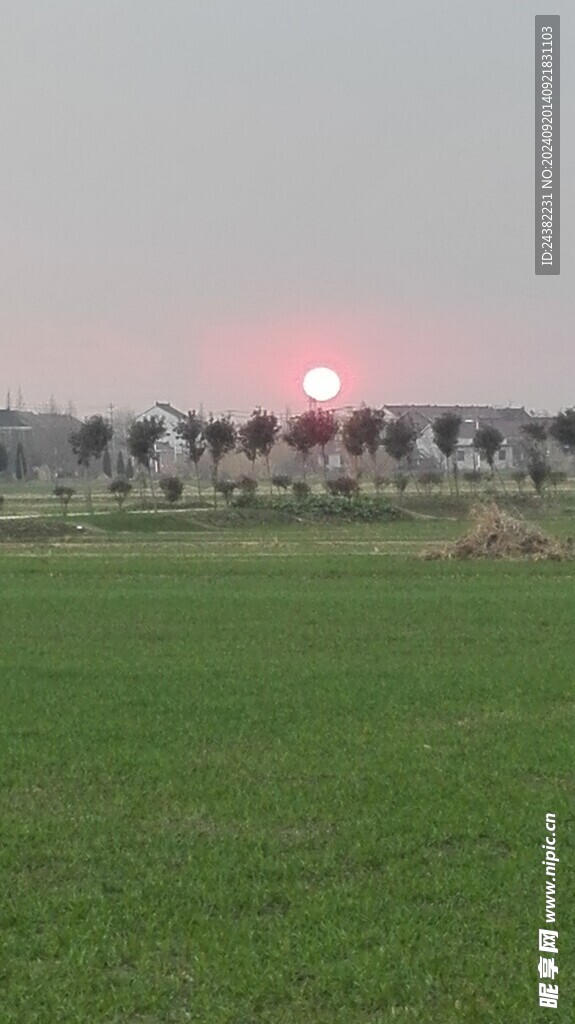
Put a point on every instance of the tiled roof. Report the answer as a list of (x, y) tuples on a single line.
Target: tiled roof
[(169, 409), (508, 420), (483, 413), (10, 420)]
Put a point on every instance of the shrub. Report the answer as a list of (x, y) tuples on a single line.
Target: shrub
[(400, 482), (538, 471), (379, 482), (473, 477), (64, 496), (281, 481), (301, 489), (344, 485), (120, 488), (430, 478), (227, 488), (172, 488), (247, 484), (556, 477), (519, 476)]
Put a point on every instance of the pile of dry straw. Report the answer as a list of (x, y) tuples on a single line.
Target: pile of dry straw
[(496, 534)]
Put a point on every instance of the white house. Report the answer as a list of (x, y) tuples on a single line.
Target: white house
[(171, 445), (508, 420)]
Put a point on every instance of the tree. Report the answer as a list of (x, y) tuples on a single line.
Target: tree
[(537, 465), (120, 489), (220, 435), (257, 437), (538, 470), (89, 442), (21, 464), (107, 464), (300, 436), (172, 488), (400, 482), (535, 432), (120, 467), (143, 435), (129, 470), (562, 429), (363, 431), (191, 431), (312, 428), (487, 442), (399, 440), (64, 496), (3, 458), (446, 435), (324, 428), (353, 440)]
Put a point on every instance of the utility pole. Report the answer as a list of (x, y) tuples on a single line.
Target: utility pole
[(112, 442)]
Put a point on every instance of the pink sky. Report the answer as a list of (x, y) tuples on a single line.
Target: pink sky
[(202, 201)]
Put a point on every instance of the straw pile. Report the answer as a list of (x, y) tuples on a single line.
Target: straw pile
[(496, 534)]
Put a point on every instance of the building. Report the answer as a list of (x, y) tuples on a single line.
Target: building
[(509, 420), (170, 447), (48, 450), (13, 428), (172, 417)]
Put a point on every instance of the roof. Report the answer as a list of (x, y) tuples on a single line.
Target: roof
[(507, 419), (49, 419), (483, 413), (170, 410), (10, 420)]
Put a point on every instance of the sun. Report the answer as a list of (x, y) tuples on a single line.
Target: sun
[(321, 384)]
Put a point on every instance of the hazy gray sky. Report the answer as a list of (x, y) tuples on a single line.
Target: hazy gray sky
[(201, 199)]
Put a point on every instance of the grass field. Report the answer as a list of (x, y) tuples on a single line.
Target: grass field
[(280, 774)]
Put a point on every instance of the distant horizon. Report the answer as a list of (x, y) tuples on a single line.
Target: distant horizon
[(85, 411)]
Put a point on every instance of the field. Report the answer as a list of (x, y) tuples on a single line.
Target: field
[(280, 773)]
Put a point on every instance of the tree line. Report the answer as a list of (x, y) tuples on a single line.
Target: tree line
[(363, 433)]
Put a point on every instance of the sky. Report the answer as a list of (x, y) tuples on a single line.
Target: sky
[(203, 199)]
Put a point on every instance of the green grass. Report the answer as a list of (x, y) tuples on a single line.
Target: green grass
[(288, 790)]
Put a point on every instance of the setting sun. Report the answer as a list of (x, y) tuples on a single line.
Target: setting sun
[(321, 384)]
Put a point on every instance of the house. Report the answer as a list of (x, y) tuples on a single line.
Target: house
[(170, 446), (13, 428), (172, 417), (13, 431), (47, 446), (509, 420)]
